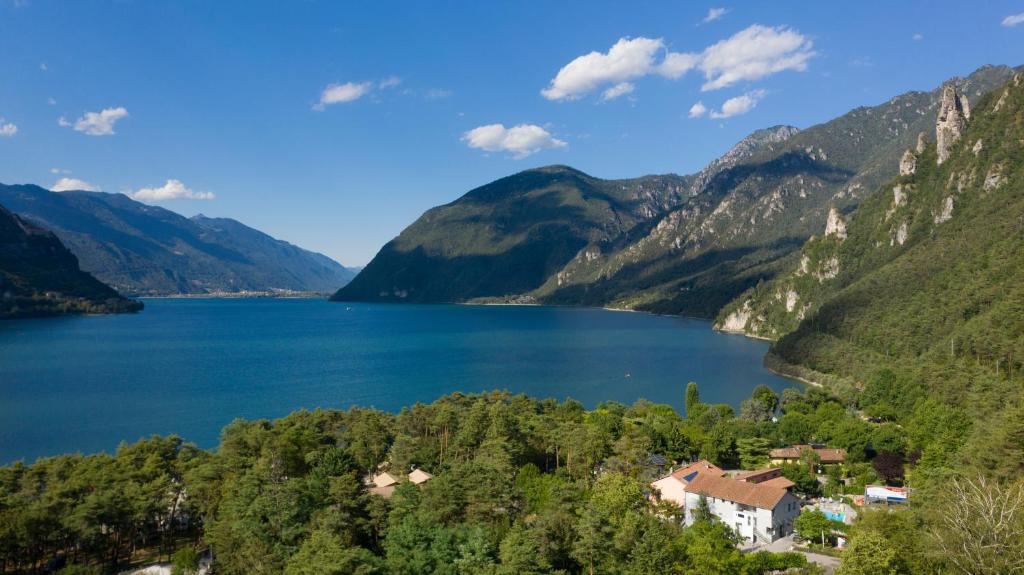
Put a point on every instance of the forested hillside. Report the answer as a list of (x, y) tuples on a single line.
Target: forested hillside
[(666, 244), (508, 237), (739, 228), (40, 277), (519, 486), (920, 298)]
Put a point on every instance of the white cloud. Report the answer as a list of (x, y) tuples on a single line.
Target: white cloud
[(389, 82), (520, 141), (96, 123), (70, 184), (627, 60), (618, 90), (59, 171), (172, 190), (748, 55), (739, 105), (714, 14), (51, 101), (1013, 20), (917, 37), (341, 93), (676, 64), (43, 66), (754, 53), (698, 110), (7, 129)]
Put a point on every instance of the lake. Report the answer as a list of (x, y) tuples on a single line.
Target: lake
[(190, 366)]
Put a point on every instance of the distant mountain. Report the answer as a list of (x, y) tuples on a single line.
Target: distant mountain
[(147, 250), (39, 276), (926, 277), (509, 237), (669, 244)]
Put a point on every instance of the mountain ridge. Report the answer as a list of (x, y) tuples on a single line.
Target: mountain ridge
[(148, 250), (718, 233)]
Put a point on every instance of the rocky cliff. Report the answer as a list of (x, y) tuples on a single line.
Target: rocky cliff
[(931, 271), (954, 111)]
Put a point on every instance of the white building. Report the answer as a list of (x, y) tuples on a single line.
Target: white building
[(759, 513)]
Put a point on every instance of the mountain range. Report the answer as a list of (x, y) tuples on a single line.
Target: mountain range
[(668, 244), (39, 276), (146, 250)]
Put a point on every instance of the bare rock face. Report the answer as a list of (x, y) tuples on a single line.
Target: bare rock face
[(899, 196), (827, 269), (951, 122), (899, 235), (791, 299), (1001, 101), (994, 178), (805, 266), (835, 226), (977, 147), (908, 163), (922, 143), (737, 320), (947, 211)]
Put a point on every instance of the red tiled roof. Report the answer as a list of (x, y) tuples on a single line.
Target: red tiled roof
[(703, 466), (779, 482), (759, 475), (754, 494)]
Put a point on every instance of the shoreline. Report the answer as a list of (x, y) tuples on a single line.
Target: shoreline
[(796, 378), (764, 360), (253, 295)]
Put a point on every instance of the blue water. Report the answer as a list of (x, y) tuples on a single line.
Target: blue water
[(190, 366)]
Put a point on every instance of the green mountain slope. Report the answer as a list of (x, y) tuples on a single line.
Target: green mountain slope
[(147, 250), (929, 280), (740, 226), (508, 237), (39, 276), (667, 244)]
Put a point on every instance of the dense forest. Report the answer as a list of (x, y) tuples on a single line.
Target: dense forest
[(520, 485)]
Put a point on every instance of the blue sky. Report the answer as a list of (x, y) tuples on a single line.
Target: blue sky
[(334, 125)]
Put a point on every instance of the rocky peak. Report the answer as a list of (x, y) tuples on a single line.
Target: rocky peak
[(743, 149), (908, 163), (922, 143), (951, 121), (836, 225)]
